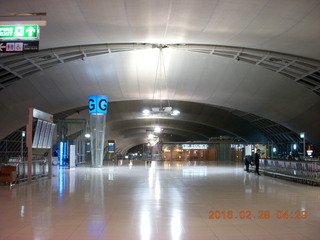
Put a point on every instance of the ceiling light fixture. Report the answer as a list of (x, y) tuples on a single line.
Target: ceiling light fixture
[(175, 112), (151, 136), (160, 83), (145, 112), (157, 129), (157, 110)]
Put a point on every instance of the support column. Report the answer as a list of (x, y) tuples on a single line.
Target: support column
[(50, 163), (98, 109), (97, 129), (29, 144)]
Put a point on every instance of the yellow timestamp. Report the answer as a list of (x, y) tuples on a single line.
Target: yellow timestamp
[(259, 214)]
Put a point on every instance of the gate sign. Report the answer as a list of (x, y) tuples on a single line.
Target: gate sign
[(19, 32), (98, 104)]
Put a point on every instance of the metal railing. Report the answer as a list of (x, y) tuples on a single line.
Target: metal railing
[(300, 171), (39, 168)]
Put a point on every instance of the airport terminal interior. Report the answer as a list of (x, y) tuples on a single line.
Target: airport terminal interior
[(149, 119)]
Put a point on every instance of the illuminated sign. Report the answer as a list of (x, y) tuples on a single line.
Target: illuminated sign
[(20, 32), (98, 104), (194, 146), (111, 146)]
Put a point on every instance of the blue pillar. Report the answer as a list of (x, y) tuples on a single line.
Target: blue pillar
[(98, 106)]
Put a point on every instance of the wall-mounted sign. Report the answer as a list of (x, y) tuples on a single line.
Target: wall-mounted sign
[(19, 32), (194, 146), (19, 46), (98, 104), (263, 150)]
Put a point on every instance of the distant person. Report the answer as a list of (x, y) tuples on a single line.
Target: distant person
[(256, 160), (247, 161)]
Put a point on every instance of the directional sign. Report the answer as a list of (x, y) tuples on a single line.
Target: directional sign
[(19, 32), (19, 46)]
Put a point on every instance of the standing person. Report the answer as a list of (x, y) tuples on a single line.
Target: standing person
[(247, 161), (256, 160)]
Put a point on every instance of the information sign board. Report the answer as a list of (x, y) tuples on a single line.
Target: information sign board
[(19, 46)]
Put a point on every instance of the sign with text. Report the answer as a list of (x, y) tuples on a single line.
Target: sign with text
[(98, 104), (19, 46), (194, 146), (19, 32)]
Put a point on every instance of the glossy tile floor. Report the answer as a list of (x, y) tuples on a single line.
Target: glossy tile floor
[(164, 200)]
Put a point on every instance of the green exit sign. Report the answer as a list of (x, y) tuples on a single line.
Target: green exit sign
[(26, 32)]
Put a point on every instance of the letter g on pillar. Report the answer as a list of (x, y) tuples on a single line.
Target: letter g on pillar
[(97, 104)]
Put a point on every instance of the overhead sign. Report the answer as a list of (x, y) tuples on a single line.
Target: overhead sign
[(19, 32), (42, 115), (98, 104), (19, 46), (194, 146)]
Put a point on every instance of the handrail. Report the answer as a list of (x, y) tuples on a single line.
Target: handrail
[(301, 171)]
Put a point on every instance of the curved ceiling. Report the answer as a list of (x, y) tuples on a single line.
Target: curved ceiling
[(197, 122), (302, 70), (257, 58)]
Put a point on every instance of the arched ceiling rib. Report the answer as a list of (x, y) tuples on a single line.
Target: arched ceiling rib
[(182, 127), (129, 130), (302, 70), (128, 138)]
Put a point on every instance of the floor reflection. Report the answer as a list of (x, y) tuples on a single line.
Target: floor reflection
[(194, 171), (160, 200), (176, 225), (145, 225)]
